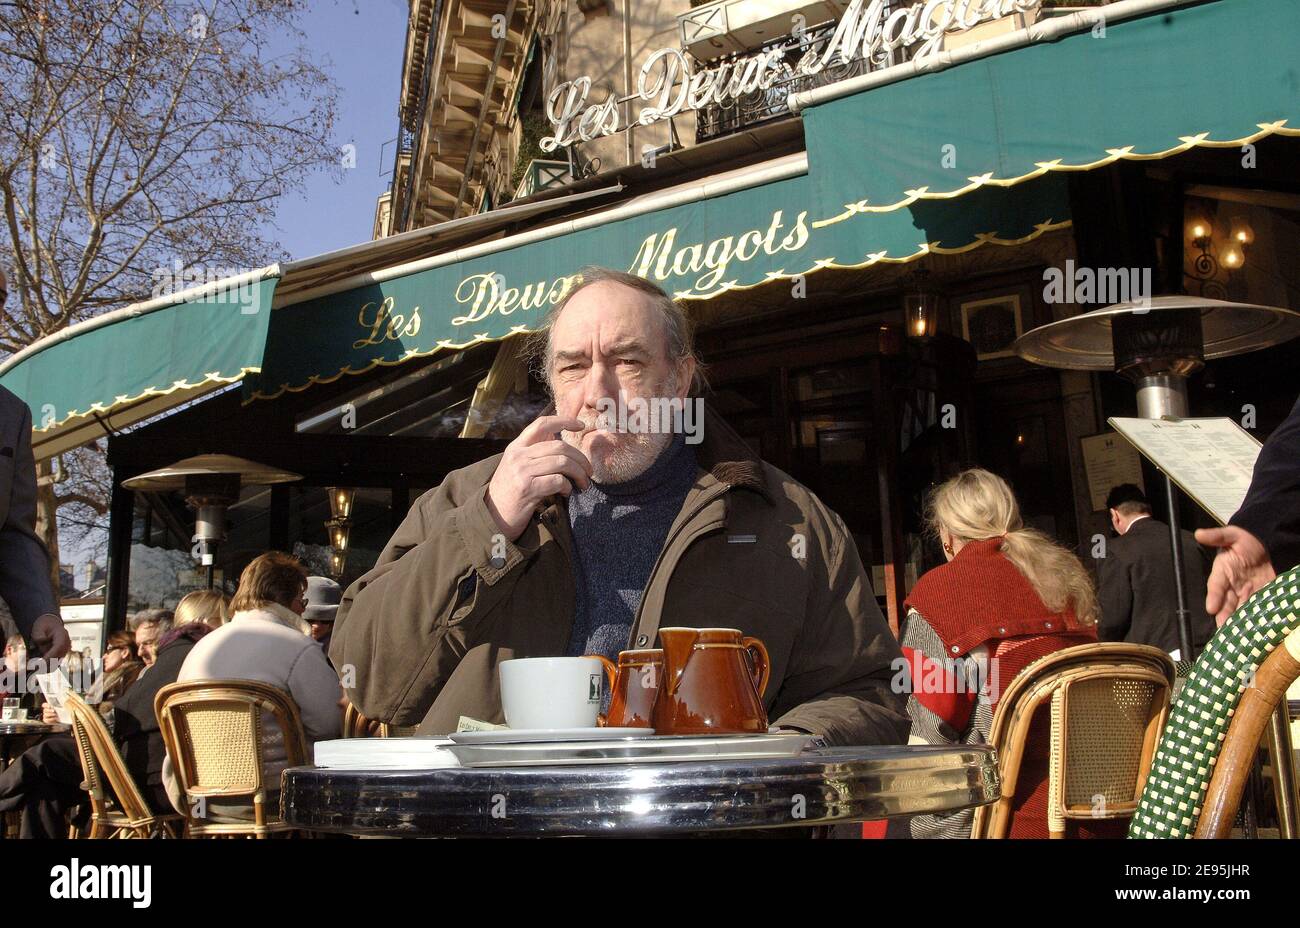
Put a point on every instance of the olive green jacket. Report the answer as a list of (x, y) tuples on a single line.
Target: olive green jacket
[(418, 638)]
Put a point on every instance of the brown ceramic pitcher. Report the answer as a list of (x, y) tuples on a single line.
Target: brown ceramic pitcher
[(713, 682), (634, 685)]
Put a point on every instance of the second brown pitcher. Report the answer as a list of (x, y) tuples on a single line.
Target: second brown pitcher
[(713, 683)]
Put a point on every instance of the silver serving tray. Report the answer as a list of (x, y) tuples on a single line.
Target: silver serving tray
[(655, 749)]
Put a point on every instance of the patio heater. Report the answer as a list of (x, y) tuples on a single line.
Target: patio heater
[(210, 482), (1157, 344)]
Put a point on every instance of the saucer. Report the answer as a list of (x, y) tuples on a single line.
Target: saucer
[(534, 735)]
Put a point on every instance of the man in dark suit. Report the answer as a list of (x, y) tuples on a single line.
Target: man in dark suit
[(1136, 587), (24, 563), (1263, 537)]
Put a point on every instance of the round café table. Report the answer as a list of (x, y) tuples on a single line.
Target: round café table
[(822, 787), (18, 732)]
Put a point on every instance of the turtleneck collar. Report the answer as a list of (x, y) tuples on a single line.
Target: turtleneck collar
[(668, 468)]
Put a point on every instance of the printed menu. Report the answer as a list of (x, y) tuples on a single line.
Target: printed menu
[(1211, 460)]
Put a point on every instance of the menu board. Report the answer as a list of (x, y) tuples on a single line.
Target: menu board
[(1211, 460), (1108, 461)]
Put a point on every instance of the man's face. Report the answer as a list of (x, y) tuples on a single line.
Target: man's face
[(146, 636), (320, 630), (609, 345)]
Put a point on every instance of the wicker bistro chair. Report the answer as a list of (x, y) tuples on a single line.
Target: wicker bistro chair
[(117, 808), (1237, 755), (356, 725), (1106, 705), (1199, 722), (214, 731)]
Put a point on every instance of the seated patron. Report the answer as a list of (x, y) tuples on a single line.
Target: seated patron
[(149, 625), (586, 535), (120, 667), (211, 607), (266, 640), (45, 781), (1007, 596), (323, 595)]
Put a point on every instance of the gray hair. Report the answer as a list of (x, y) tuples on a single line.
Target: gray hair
[(679, 334), (163, 618)]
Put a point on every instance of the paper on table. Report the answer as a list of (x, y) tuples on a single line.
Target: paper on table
[(53, 685), (1211, 460)]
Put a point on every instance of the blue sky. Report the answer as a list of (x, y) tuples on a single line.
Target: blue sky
[(360, 42)]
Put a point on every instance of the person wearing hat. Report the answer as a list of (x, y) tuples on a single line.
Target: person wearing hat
[(323, 597)]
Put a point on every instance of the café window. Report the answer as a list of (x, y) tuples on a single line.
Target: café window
[(163, 567)]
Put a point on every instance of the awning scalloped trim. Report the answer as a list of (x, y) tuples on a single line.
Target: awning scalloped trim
[(211, 377), (1126, 153), (821, 264)]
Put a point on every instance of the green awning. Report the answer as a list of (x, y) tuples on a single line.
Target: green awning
[(122, 362), (696, 251), (1218, 74), (879, 188)]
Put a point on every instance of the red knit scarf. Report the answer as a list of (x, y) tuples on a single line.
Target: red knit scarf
[(980, 596)]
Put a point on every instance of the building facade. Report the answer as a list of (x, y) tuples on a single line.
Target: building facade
[(861, 211)]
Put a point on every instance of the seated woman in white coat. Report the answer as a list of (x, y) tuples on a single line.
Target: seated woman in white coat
[(267, 640)]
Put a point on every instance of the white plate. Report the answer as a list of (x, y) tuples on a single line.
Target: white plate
[(654, 750), (385, 754), (534, 735)]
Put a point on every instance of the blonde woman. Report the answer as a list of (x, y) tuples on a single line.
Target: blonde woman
[(211, 607), (1007, 596)]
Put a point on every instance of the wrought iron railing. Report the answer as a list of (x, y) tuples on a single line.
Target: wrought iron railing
[(770, 104), (765, 105)]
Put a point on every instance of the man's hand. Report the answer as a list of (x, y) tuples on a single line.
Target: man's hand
[(535, 465), (50, 637), (1241, 567)]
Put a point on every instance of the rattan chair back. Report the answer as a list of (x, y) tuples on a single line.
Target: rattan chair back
[(356, 725), (1232, 770), (216, 732), (1107, 703), (117, 808)]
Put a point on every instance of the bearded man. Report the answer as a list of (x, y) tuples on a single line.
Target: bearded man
[(582, 539)]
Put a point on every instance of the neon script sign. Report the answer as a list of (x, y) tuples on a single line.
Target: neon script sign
[(667, 85)]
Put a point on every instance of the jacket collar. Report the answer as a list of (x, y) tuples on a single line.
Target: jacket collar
[(1145, 523), (726, 456), (271, 612)]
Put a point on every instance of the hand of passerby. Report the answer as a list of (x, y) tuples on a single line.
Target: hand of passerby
[(1241, 567), (50, 637)]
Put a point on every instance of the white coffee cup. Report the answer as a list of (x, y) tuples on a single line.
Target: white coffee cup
[(551, 692)]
